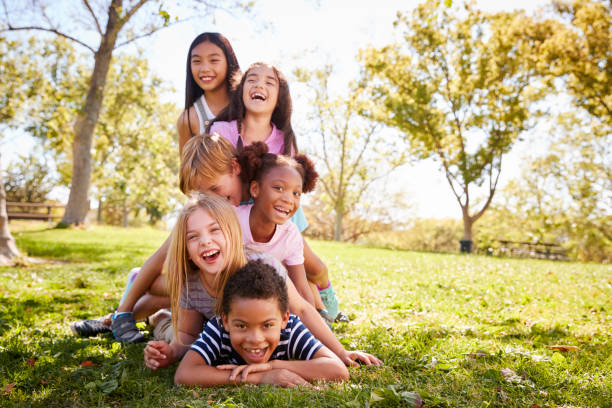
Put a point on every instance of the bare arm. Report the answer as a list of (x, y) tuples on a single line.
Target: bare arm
[(182, 126), (160, 354), (310, 317), (324, 365), (297, 274), (149, 271)]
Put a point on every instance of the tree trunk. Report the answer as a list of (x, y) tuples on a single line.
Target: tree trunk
[(8, 248), (466, 241), (78, 204), (338, 226)]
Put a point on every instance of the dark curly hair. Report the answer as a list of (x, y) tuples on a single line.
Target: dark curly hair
[(281, 116), (192, 90), (255, 162), (255, 280)]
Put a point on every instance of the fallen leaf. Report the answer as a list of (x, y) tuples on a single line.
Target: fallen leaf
[(8, 388), (28, 309), (510, 375), (561, 347), (31, 361), (44, 382)]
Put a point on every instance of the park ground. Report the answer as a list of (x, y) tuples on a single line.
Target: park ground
[(461, 331)]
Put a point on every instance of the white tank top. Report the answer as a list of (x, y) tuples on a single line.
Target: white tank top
[(205, 115)]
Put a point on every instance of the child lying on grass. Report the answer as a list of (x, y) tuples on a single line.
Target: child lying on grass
[(257, 340)]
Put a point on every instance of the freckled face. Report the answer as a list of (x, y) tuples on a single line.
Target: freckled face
[(208, 66), (254, 326)]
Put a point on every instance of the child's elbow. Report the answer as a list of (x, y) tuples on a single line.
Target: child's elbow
[(343, 374), (180, 377)]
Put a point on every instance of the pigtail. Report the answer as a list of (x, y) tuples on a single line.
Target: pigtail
[(251, 160), (310, 175)]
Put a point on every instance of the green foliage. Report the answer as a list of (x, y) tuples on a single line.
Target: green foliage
[(459, 331), (30, 179), (459, 86), (135, 159), (579, 50), (563, 196), (351, 152)]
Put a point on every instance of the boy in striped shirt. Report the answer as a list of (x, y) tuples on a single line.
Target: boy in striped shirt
[(257, 340)]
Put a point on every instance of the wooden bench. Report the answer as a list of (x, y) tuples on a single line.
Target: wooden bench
[(31, 211), (541, 250)]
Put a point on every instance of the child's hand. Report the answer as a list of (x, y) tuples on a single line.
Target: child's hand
[(158, 354), (244, 370), (282, 377), (351, 358)]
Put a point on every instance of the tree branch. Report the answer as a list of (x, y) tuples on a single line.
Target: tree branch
[(93, 15), (50, 30)]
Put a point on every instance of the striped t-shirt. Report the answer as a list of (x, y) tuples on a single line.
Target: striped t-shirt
[(296, 343)]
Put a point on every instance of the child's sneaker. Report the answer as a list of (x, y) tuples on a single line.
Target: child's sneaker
[(91, 327), (342, 318), (124, 328), (328, 296)]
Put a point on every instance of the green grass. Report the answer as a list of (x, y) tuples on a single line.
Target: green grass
[(462, 331)]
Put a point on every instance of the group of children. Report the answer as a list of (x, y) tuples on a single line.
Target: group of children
[(234, 316)]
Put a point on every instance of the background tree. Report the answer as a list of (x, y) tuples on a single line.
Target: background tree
[(459, 86), (134, 155), (29, 179), (565, 196), (351, 152), (113, 24), (579, 50), (18, 83)]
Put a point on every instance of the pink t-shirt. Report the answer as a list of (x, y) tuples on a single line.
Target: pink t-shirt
[(229, 130), (286, 244)]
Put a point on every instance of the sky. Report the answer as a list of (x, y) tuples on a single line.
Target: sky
[(311, 34)]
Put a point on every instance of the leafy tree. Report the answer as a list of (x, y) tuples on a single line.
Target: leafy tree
[(353, 152), (579, 50), (135, 155), (565, 195), (18, 83), (460, 86), (30, 179), (101, 28)]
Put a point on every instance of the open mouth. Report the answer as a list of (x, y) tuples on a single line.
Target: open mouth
[(211, 256), (258, 96), (206, 78), (255, 355), (283, 211)]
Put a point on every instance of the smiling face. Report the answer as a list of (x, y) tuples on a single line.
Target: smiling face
[(260, 92), (206, 243), (208, 66), (254, 326), (277, 195)]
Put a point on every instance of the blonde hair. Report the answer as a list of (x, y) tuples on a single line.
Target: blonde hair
[(205, 156), (179, 266)]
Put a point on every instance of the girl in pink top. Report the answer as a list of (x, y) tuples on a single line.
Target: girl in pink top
[(276, 183), (259, 111)]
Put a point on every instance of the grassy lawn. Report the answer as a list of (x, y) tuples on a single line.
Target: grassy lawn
[(462, 331)]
